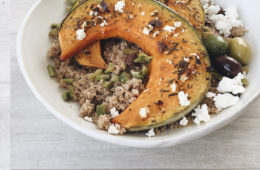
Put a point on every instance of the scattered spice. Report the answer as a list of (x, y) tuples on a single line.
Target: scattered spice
[(162, 46), (174, 48), (156, 23), (159, 103), (104, 6)]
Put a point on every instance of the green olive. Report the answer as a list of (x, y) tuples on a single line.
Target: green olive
[(216, 45), (206, 34), (240, 50)]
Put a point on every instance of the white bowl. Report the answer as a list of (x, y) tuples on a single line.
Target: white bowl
[(32, 45)]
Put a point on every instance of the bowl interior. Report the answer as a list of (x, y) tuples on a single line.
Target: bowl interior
[(33, 43)]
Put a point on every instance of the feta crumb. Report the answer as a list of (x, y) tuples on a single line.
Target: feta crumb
[(183, 98), (131, 16), (119, 6), (177, 24), (184, 121), (176, 35), (223, 23), (155, 12), (144, 112), (146, 90), (173, 86), (169, 29), (143, 13), (226, 100), (234, 86), (147, 29), (96, 13), (103, 23), (186, 59), (202, 114), (210, 95), (80, 33), (91, 13), (89, 119), (150, 133), (155, 34), (113, 129), (169, 61), (114, 113), (184, 78), (213, 9)]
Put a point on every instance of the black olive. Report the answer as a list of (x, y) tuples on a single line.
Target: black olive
[(104, 6), (130, 59), (156, 23), (227, 66), (162, 47)]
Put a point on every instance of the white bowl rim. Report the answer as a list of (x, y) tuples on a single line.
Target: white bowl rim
[(186, 137)]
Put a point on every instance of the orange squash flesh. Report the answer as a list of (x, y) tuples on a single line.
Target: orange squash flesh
[(191, 10), (91, 57), (166, 68)]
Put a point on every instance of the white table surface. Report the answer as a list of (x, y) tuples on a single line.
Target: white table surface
[(41, 141)]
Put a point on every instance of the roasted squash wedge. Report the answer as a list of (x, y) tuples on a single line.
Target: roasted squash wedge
[(91, 57), (191, 10), (179, 71)]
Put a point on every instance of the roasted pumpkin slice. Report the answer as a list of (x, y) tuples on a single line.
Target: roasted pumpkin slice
[(179, 71), (191, 10), (91, 57)]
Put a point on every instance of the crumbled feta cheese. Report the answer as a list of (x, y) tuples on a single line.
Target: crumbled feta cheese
[(155, 12), (143, 13), (131, 16), (176, 35), (84, 24), (119, 6), (234, 86), (223, 23), (184, 78), (182, 2), (147, 29), (177, 24), (156, 33), (114, 113), (89, 119), (210, 95), (103, 23), (80, 33), (113, 129), (96, 13), (146, 90), (91, 13), (183, 98), (184, 121), (150, 133), (202, 114), (213, 9), (186, 59), (226, 100), (144, 112), (169, 29), (169, 61), (173, 86)]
